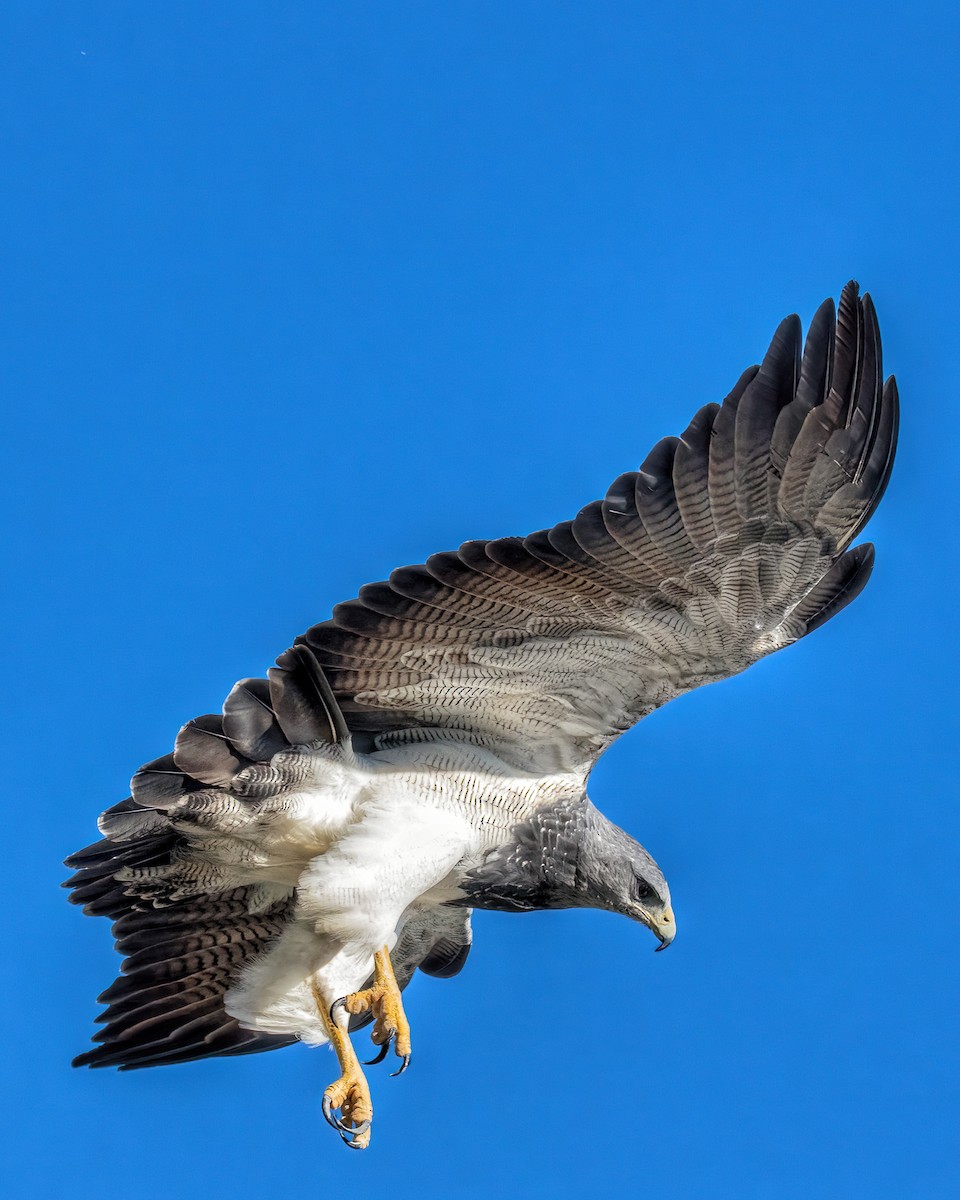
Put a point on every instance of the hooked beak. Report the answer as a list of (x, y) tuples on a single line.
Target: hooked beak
[(665, 927)]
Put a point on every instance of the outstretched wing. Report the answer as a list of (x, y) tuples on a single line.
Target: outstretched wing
[(177, 885), (177, 871), (729, 542)]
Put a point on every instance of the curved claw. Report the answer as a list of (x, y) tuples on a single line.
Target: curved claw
[(350, 1141), (348, 1136), (345, 1131), (403, 1066), (335, 1121), (372, 1062), (341, 1003)]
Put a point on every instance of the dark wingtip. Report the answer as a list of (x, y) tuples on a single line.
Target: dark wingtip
[(842, 584), (88, 1059)]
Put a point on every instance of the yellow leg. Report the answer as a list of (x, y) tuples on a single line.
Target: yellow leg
[(350, 1093), (383, 1000)]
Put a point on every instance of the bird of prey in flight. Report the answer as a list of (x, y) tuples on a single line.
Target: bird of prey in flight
[(284, 872)]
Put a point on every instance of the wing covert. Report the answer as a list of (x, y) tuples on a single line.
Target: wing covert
[(726, 544)]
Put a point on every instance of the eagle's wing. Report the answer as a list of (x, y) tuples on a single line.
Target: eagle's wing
[(179, 961), (729, 542), (169, 872)]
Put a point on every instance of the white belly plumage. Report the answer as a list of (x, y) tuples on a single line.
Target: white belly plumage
[(372, 845)]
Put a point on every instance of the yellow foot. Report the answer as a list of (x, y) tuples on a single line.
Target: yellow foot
[(383, 1000), (351, 1096)]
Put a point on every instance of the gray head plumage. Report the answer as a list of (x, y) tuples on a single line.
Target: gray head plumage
[(569, 855)]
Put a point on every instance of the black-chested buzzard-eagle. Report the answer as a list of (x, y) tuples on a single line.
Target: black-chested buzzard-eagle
[(283, 873)]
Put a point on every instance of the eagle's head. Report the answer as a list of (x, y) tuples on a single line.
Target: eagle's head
[(621, 875), (568, 855)]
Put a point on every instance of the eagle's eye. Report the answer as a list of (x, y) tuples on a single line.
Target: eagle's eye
[(643, 893)]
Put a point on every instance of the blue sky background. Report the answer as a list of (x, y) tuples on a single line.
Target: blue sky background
[(297, 293)]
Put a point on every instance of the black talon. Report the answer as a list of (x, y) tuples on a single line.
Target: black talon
[(346, 1130), (349, 1136), (403, 1066), (372, 1062), (334, 1006)]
